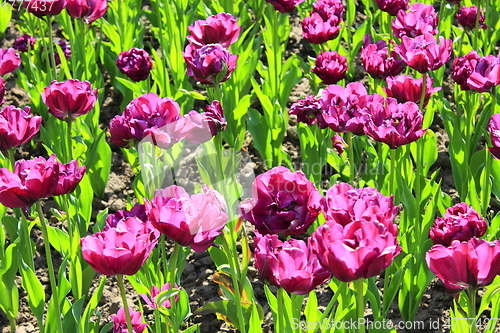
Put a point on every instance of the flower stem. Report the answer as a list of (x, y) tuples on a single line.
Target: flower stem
[(69, 152), (119, 277), (360, 302), (350, 157), (50, 265), (51, 59), (471, 308)]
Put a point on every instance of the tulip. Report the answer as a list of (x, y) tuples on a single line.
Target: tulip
[(70, 175), (361, 249), (65, 48), (420, 19), (340, 108), (214, 115), (88, 10), (285, 6), (377, 61), (308, 111), (69, 99), (120, 322), (339, 144), (283, 202), (464, 265), (394, 124), (210, 64), (467, 16), (31, 181), (317, 31), (9, 60), (392, 6), (221, 28), (423, 53), (405, 88), (486, 74), (330, 67), (135, 63), (329, 8), (42, 8), (116, 251), (138, 211), (463, 67), (344, 204), (460, 222), (24, 43), (150, 298), (290, 265), (494, 130), (2, 90), (193, 221), (147, 111), (17, 126)]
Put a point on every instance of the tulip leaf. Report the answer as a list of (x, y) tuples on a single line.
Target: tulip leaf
[(34, 291), (59, 239), (192, 329), (225, 310), (5, 16)]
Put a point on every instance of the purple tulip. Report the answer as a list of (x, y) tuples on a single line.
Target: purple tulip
[(341, 111), (150, 298), (283, 202), (392, 6), (214, 115), (193, 221), (494, 130), (360, 249), (120, 322), (405, 88), (460, 222), (24, 43), (339, 144), (317, 31), (70, 175), (31, 181), (308, 111), (330, 67), (114, 220), (394, 124), (210, 64), (88, 10), (9, 60), (285, 6), (329, 8), (65, 48), (464, 265), (290, 265), (17, 126), (463, 67), (377, 61), (486, 74), (42, 8), (135, 63), (423, 53), (69, 99), (420, 19), (467, 16), (221, 28)]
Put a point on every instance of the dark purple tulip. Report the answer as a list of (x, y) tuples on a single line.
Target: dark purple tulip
[(24, 43), (467, 16), (42, 8), (392, 6), (317, 31), (285, 6), (464, 265), (290, 265), (394, 124), (361, 249), (405, 88), (494, 130), (135, 63), (139, 211), (308, 111), (31, 181), (423, 53), (330, 67), (88, 10), (486, 74), (419, 19), (463, 67), (9, 60), (69, 99), (211, 64), (70, 175), (283, 202), (221, 28), (377, 61), (460, 222)]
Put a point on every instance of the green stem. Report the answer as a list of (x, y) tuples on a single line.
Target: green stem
[(163, 250), (350, 156), (477, 30), (360, 302), (281, 310), (51, 57), (392, 180), (418, 159), (50, 265), (69, 139), (119, 277), (471, 309)]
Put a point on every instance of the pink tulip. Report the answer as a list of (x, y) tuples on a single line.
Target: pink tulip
[(486, 74), (317, 31), (418, 20), (467, 16), (69, 99), (330, 67), (377, 61), (464, 265), (405, 88), (2, 90), (221, 28), (360, 249), (290, 265), (42, 8), (70, 175), (460, 222), (120, 322), (193, 221), (9, 60), (494, 130), (285, 6), (135, 63), (329, 8), (392, 6), (150, 298), (88, 10), (283, 202), (463, 67), (17, 126)]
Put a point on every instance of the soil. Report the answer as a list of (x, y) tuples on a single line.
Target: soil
[(197, 276)]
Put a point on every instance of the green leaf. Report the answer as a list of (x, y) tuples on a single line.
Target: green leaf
[(5, 16), (34, 291)]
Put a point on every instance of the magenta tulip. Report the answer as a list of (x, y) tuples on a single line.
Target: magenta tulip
[(329, 8), (486, 74), (2, 90), (463, 67), (377, 61), (339, 144), (193, 221), (9, 60), (464, 265), (221, 28), (392, 6), (405, 88), (150, 298), (290, 265), (135, 63), (69, 99), (330, 67), (283, 202), (88, 10), (494, 130), (418, 20), (460, 222), (308, 111), (42, 8), (317, 31), (17, 126), (285, 6), (467, 16), (70, 175), (120, 322)]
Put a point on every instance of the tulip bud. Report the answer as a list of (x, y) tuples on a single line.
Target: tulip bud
[(330, 67), (135, 63)]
